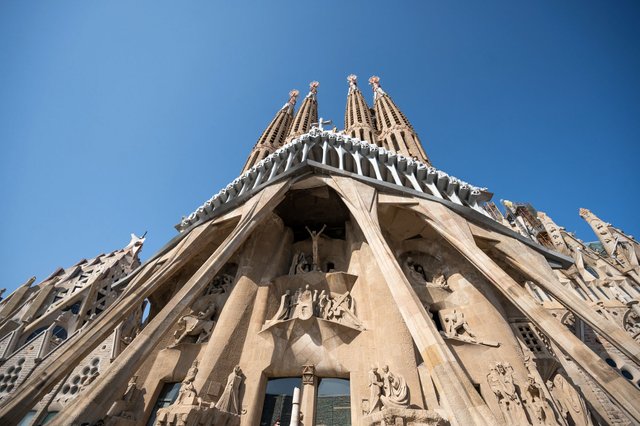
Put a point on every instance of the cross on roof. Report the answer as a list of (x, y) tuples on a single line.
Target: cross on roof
[(320, 122)]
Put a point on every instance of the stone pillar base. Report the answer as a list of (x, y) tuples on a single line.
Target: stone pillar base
[(404, 417), (195, 415)]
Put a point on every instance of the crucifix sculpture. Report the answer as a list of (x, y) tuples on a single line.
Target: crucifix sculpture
[(315, 236)]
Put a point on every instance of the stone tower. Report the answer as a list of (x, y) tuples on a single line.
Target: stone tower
[(336, 281), (357, 118), (274, 135), (307, 114), (395, 132)]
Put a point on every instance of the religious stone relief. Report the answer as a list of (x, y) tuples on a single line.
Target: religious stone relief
[(456, 327), (418, 275), (632, 323), (198, 324), (304, 304), (220, 284), (534, 397), (387, 390), (501, 382), (570, 403)]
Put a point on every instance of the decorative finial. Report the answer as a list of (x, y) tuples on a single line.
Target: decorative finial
[(313, 87), (353, 83), (375, 82), (584, 212), (293, 97)]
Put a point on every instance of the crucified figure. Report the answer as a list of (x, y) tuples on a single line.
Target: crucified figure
[(315, 236)]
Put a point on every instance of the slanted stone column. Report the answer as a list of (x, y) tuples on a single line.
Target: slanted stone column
[(309, 392), (460, 235), (459, 396)]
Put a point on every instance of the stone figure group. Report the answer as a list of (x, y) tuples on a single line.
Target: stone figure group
[(456, 327), (229, 401), (529, 404), (221, 283), (501, 382), (305, 304), (418, 275), (198, 323), (386, 389)]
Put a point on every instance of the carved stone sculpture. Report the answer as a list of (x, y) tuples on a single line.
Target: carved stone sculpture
[(305, 304), (631, 323), (418, 275), (188, 394), (439, 281), (456, 327), (416, 271), (230, 400), (535, 402), (375, 390), (198, 323), (315, 237), (501, 382), (571, 405), (396, 392), (220, 284), (300, 264)]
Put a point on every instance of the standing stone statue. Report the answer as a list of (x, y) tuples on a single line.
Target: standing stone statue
[(375, 389), (188, 394), (536, 404), (315, 236), (286, 304), (230, 400), (570, 403)]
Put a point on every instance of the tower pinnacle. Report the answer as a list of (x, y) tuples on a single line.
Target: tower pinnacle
[(307, 114), (394, 130), (273, 136), (357, 118)]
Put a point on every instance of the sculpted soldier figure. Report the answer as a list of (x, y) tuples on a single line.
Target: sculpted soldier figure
[(375, 389)]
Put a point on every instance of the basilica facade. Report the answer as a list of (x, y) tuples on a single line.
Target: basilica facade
[(341, 279)]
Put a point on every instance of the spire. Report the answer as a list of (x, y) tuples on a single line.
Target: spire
[(619, 246), (554, 232), (357, 119), (394, 130), (307, 114), (273, 136)]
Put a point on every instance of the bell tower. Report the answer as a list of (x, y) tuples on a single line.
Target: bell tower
[(394, 130), (307, 114), (273, 136), (358, 122)]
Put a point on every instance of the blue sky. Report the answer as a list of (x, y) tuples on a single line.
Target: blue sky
[(119, 117)]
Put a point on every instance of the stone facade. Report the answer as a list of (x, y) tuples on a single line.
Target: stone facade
[(336, 258)]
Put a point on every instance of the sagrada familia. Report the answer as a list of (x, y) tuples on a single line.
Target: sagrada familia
[(341, 279)]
